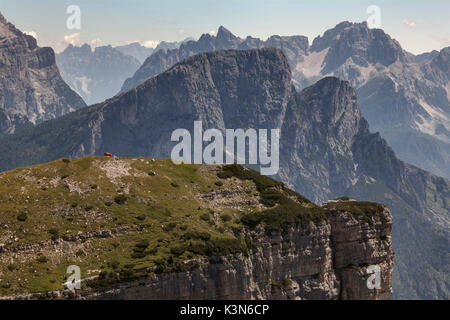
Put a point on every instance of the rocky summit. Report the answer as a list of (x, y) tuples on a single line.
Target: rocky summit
[(140, 228), (31, 87), (326, 148), (405, 98)]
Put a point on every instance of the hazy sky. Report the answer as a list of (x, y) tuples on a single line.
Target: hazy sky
[(419, 26)]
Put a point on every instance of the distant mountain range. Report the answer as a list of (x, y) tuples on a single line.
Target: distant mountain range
[(136, 50), (326, 148), (95, 74), (405, 98), (141, 52), (31, 88), (98, 74)]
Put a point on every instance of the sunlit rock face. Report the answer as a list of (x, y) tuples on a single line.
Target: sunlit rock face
[(31, 88)]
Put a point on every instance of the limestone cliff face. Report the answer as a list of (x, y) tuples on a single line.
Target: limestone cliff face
[(358, 244), (31, 88), (403, 97), (171, 235), (327, 260)]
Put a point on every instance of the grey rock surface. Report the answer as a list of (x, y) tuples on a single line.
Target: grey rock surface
[(326, 261), (31, 88), (326, 149), (405, 98), (318, 261)]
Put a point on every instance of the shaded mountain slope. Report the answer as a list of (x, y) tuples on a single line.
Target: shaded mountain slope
[(404, 98)]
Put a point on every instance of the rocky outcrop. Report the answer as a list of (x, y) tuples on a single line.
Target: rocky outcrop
[(318, 261), (358, 244), (31, 87), (438, 68), (426, 57)]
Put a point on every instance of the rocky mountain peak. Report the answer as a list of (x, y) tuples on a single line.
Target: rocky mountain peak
[(225, 39), (225, 34), (426, 56), (8, 32), (107, 49), (356, 41), (438, 70), (376, 66), (236, 85), (31, 86), (2, 19), (337, 102), (291, 45), (84, 49), (442, 60), (331, 36)]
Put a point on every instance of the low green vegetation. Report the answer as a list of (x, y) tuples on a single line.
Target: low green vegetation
[(364, 209), (115, 218), (343, 198), (284, 206), (121, 219)]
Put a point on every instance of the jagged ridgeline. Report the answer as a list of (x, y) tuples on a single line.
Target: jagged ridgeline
[(403, 97), (31, 88), (148, 229)]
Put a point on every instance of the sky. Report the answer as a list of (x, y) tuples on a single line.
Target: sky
[(419, 26)]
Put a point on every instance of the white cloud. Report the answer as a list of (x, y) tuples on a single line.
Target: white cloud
[(82, 84), (147, 44), (181, 32), (73, 39), (31, 33), (95, 42), (212, 32), (150, 43), (442, 41), (131, 41), (409, 24)]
